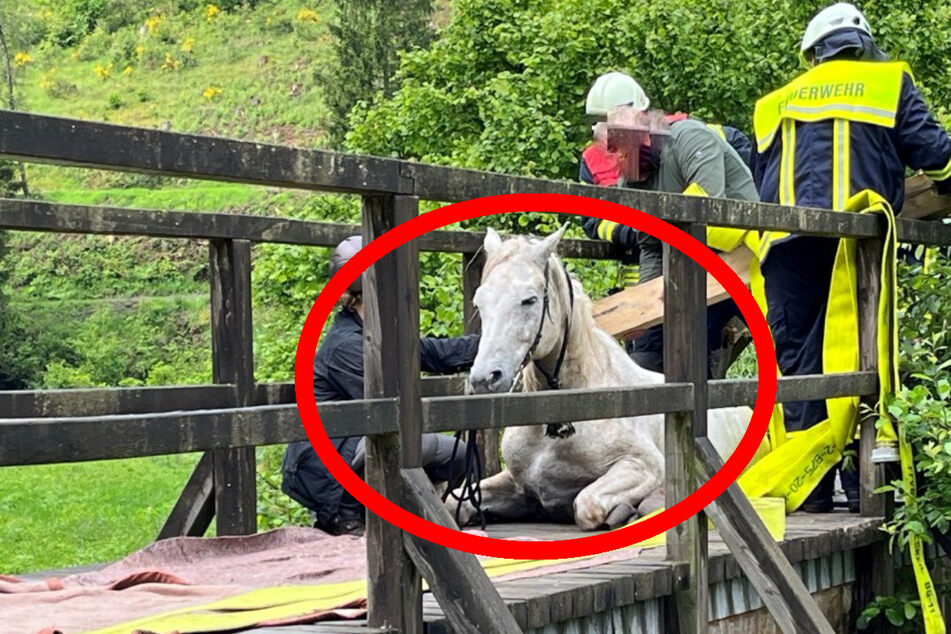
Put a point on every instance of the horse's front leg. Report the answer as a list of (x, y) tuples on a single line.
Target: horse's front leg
[(613, 498), (502, 498)]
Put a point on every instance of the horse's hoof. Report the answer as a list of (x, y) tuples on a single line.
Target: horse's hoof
[(620, 515)]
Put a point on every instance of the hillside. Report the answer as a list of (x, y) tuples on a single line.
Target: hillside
[(104, 311)]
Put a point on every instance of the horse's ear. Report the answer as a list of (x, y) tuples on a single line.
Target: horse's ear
[(545, 248), (492, 241)]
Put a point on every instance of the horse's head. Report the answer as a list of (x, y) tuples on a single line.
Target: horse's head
[(520, 302)]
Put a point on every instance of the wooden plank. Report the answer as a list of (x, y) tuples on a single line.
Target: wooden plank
[(640, 307), (233, 362), (50, 440), (874, 567), (487, 440), (192, 514), (107, 401), (685, 359), (83, 402), (391, 362), (435, 182), (465, 593), (45, 139), (492, 411), (776, 581), (34, 215), (922, 200), (729, 392)]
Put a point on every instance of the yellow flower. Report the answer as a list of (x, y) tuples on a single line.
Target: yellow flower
[(22, 59), (127, 71), (139, 50), (188, 44), (152, 24), (307, 15), (211, 12), (267, 21), (103, 71), (171, 63), (211, 92)]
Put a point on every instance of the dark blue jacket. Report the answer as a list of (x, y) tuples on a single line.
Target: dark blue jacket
[(338, 376)]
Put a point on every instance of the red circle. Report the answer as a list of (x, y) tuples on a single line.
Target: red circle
[(512, 549)]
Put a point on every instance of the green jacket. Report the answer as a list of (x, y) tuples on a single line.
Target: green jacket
[(692, 154)]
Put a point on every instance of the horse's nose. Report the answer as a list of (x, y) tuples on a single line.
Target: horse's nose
[(484, 382)]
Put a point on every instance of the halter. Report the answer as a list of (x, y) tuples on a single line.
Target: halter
[(551, 378)]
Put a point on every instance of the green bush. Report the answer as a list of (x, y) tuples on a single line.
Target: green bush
[(503, 86)]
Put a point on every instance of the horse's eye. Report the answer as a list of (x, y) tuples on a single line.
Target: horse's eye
[(529, 301)]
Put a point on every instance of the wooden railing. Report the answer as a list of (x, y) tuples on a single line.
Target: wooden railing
[(228, 419)]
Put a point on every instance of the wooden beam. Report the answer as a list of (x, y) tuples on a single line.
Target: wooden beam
[(875, 569), (111, 401), (639, 307), (808, 387), (494, 411), (233, 362), (685, 359), (486, 439), (51, 440), (391, 362), (34, 215), (61, 141), (922, 200), (192, 514), (467, 596), (776, 581)]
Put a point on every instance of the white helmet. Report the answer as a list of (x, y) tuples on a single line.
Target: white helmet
[(835, 18), (612, 90)]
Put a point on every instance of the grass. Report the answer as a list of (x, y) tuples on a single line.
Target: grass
[(249, 73), (73, 514)]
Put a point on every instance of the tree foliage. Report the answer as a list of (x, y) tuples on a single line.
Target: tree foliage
[(368, 35), (503, 86)]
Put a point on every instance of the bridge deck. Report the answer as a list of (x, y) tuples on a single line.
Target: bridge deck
[(819, 546)]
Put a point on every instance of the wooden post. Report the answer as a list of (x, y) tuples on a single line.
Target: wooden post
[(464, 591), (192, 514), (875, 569), (391, 361), (233, 362), (487, 439), (764, 564), (685, 360)]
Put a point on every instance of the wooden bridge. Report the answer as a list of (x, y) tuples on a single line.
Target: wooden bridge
[(699, 582)]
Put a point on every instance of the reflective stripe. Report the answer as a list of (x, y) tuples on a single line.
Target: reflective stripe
[(840, 164), (787, 165), (833, 109), (694, 189), (940, 174), (716, 127), (606, 230)]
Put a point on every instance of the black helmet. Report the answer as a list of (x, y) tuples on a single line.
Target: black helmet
[(341, 254)]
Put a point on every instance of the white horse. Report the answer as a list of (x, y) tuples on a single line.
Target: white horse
[(596, 473)]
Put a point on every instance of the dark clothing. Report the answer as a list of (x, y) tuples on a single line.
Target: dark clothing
[(338, 376), (797, 318)]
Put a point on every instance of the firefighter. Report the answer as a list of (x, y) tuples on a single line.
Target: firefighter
[(851, 123), (686, 157)]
